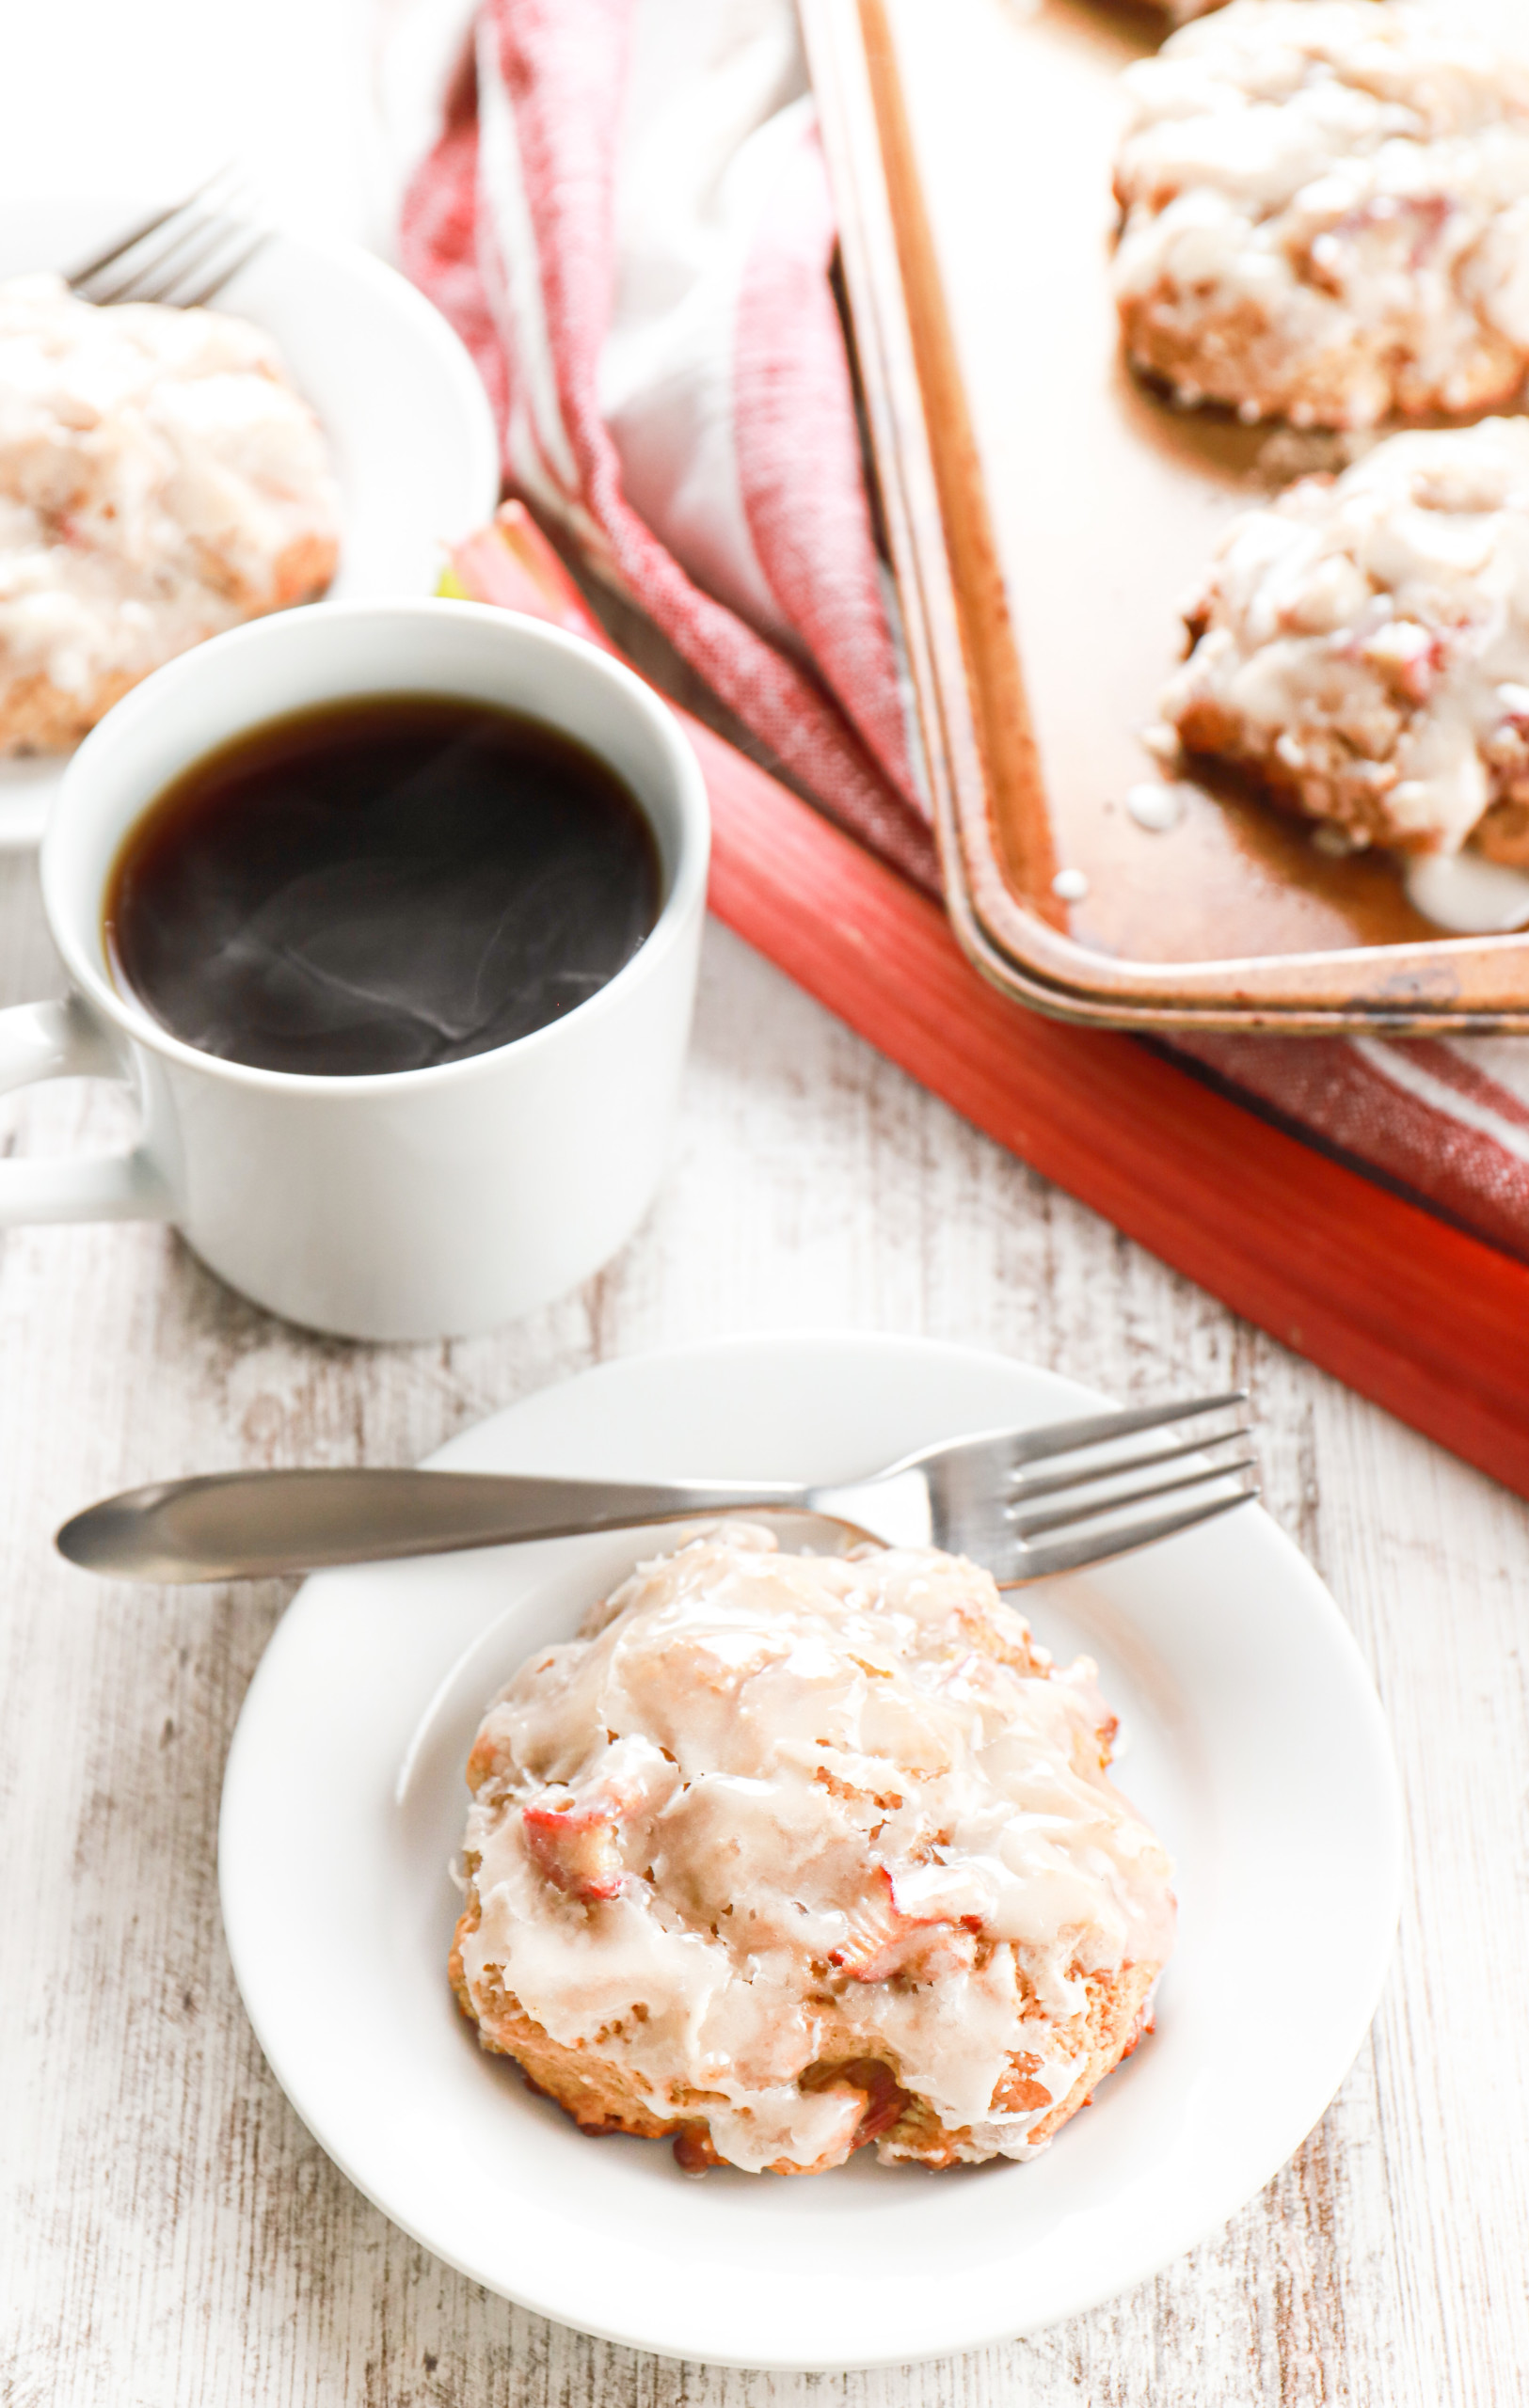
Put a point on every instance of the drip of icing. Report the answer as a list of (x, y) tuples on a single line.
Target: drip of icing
[(1337, 843), (1161, 740), (1070, 885), (1467, 895), (1157, 806)]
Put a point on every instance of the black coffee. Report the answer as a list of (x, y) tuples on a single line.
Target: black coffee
[(381, 884)]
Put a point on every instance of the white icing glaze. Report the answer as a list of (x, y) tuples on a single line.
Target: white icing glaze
[(1070, 885), (1333, 185), (1161, 741), (775, 1807), (1156, 804), (1466, 894), (1367, 641), (156, 471)]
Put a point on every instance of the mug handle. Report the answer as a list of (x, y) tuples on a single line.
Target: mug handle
[(64, 1041)]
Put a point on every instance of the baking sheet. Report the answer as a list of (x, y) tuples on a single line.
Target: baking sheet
[(971, 146)]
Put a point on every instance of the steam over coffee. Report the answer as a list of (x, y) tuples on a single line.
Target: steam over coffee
[(381, 884)]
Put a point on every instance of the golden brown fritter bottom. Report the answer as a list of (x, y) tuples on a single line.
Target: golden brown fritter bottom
[(601, 2096)]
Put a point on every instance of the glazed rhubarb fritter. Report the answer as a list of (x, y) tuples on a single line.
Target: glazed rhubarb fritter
[(1361, 645), (1325, 211), (788, 1855), (160, 480)]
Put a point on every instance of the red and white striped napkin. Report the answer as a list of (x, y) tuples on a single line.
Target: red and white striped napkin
[(625, 216)]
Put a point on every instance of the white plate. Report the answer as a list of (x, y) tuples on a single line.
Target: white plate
[(404, 410), (1252, 1738)]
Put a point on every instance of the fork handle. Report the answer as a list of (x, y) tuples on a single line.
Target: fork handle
[(253, 1524)]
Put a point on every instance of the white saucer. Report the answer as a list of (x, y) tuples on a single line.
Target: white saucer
[(1250, 1736), (414, 442)]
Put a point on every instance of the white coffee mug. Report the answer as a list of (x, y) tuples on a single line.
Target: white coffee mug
[(418, 1204)]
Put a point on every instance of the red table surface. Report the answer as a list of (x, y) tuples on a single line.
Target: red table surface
[(1423, 1318)]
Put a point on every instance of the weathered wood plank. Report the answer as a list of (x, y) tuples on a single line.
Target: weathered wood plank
[(170, 2236)]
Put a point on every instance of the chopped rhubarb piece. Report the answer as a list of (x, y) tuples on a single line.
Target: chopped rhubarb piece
[(574, 1846), (882, 1941), (1407, 656), (884, 2095), (694, 2152)]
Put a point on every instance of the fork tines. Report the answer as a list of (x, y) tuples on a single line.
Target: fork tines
[(183, 256), (1113, 1480)]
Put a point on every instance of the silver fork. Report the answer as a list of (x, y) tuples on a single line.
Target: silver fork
[(977, 1496), (183, 256)]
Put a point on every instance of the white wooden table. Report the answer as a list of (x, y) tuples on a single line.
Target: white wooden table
[(169, 2235)]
